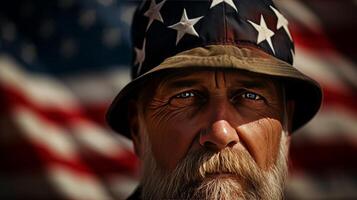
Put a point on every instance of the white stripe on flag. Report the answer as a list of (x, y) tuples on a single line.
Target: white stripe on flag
[(311, 186), (44, 133), (41, 89), (300, 13), (122, 185), (319, 67), (77, 186), (331, 123), (98, 87), (98, 139)]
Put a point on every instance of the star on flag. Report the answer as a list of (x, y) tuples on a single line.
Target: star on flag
[(282, 22), (153, 13), (264, 28), (140, 56), (185, 26), (264, 33), (229, 2)]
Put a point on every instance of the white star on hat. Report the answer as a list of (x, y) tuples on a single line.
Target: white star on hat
[(229, 2), (264, 33), (140, 56), (282, 22), (184, 26), (153, 13)]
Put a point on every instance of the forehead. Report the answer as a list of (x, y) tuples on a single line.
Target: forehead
[(207, 76)]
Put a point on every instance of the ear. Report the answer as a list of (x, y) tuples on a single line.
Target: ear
[(134, 127)]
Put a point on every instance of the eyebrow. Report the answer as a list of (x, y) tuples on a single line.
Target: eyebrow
[(176, 84), (253, 84)]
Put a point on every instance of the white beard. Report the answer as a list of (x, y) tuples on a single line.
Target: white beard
[(197, 176)]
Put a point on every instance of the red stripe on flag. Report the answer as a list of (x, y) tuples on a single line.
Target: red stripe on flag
[(324, 156), (342, 99), (13, 97), (310, 39), (124, 162)]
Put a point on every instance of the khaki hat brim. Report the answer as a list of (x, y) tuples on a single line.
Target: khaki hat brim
[(306, 92)]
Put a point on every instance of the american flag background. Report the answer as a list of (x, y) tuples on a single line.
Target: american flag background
[(63, 61)]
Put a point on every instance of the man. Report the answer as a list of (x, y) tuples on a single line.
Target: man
[(214, 99)]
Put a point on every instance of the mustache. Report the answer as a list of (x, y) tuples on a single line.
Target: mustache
[(202, 164), (195, 177)]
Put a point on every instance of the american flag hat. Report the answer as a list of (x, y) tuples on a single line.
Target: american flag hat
[(250, 35)]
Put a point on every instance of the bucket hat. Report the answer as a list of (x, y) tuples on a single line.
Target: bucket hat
[(249, 35)]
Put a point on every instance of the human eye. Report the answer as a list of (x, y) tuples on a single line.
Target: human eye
[(251, 96), (242, 96), (186, 98), (185, 95)]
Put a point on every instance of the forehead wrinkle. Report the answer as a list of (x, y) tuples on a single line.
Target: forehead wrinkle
[(180, 81), (220, 78), (182, 84), (254, 82)]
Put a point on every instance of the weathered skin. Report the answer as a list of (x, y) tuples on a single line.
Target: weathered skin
[(214, 110)]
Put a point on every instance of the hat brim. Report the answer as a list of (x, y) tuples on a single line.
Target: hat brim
[(306, 92)]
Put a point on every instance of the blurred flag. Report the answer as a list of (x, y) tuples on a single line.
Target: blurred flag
[(324, 160), (62, 62)]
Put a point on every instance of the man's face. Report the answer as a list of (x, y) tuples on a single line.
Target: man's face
[(212, 111)]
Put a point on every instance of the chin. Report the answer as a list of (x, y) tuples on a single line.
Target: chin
[(220, 186)]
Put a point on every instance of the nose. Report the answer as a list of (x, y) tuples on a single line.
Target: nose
[(219, 135)]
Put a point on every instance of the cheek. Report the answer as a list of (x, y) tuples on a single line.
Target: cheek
[(171, 139), (262, 139), (172, 132)]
